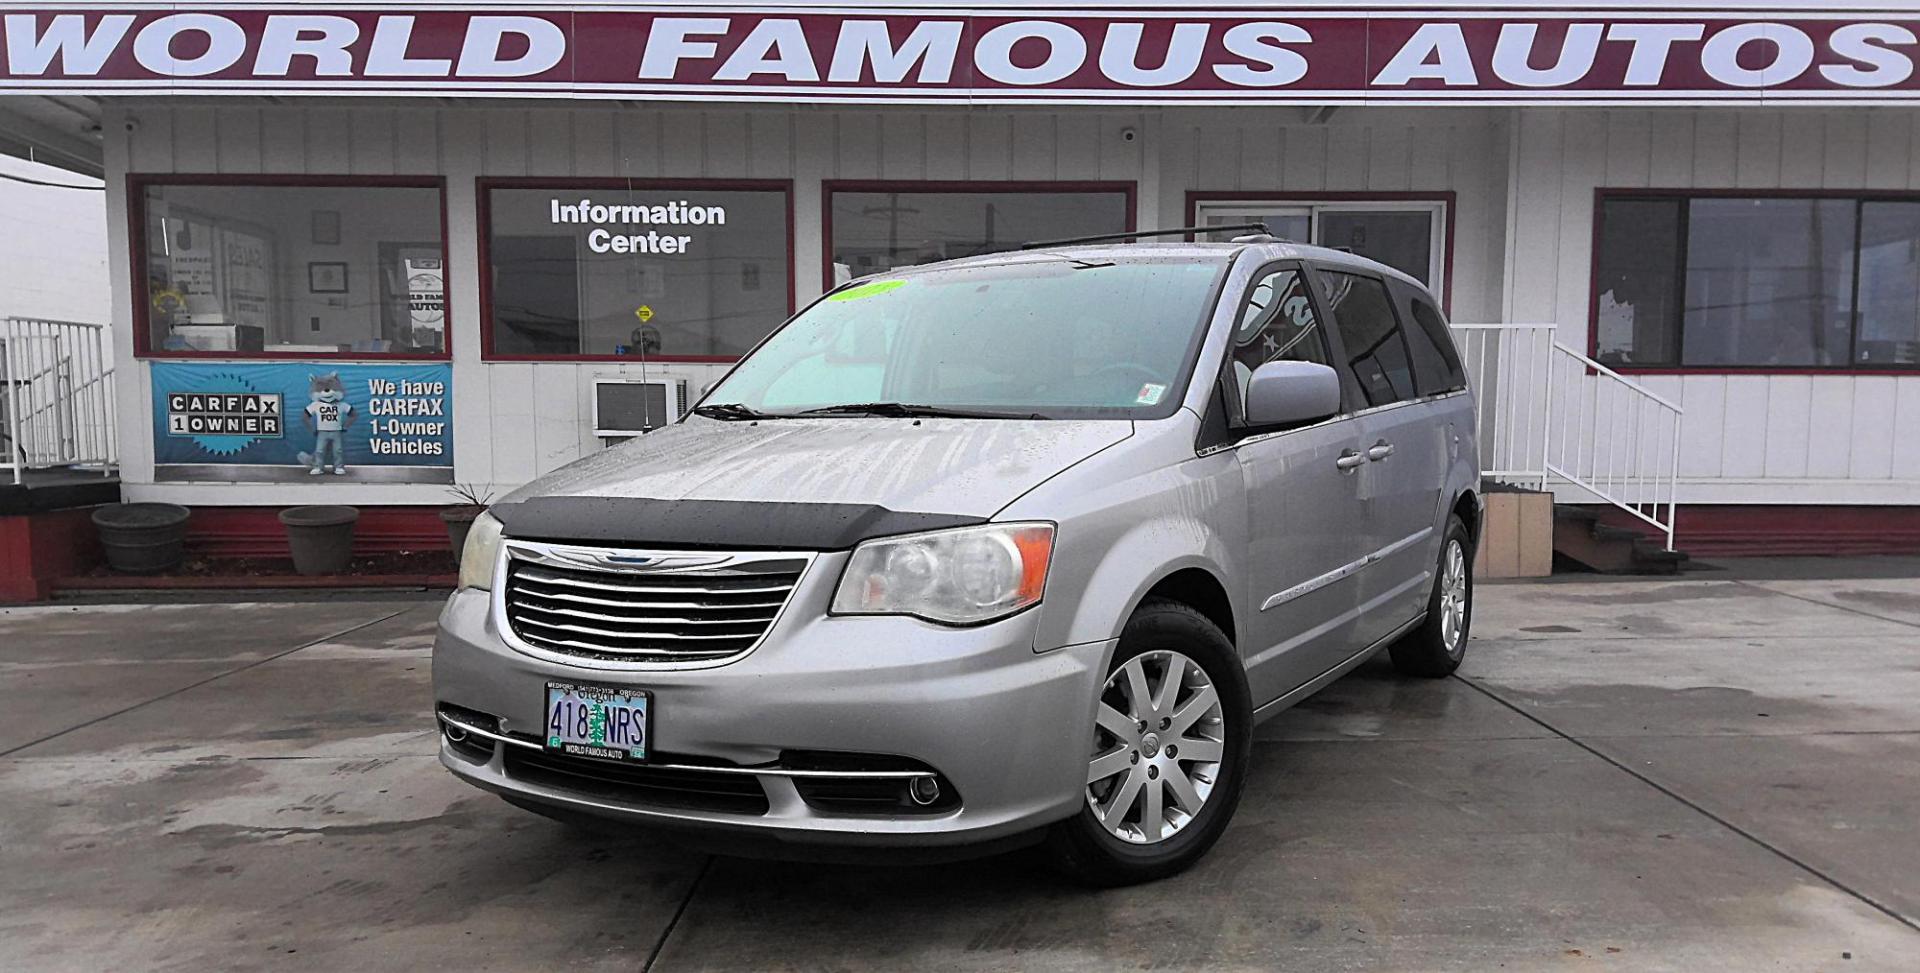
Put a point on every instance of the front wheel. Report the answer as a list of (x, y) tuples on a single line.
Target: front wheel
[(1168, 753), (1437, 647)]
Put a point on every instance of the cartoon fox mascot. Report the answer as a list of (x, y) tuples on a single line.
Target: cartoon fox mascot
[(328, 417)]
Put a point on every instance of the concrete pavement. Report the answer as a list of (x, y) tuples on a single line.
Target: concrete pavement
[(1675, 775)]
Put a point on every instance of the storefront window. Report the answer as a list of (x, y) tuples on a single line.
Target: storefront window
[(1404, 232), (634, 271), (877, 227), (292, 270), (1758, 282)]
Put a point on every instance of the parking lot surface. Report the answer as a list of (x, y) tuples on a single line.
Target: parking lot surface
[(1674, 775)]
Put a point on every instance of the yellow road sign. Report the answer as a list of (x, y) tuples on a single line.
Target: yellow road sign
[(644, 312)]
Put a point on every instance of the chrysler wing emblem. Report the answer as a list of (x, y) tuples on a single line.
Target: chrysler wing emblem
[(618, 560)]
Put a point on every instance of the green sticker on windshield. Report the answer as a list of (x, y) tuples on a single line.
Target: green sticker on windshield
[(868, 290)]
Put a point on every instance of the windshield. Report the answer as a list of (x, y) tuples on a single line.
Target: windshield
[(1051, 337)]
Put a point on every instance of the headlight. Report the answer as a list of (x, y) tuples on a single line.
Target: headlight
[(955, 577), (481, 550)]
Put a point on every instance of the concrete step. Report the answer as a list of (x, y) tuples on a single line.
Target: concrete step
[(1583, 537)]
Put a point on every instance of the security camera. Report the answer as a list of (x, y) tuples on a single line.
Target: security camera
[(1129, 134)]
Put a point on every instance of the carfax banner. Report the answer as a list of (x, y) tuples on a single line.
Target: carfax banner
[(327, 422), (1242, 53)]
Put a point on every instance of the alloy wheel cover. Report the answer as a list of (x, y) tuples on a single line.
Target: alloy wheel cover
[(1159, 737), (1453, 598)]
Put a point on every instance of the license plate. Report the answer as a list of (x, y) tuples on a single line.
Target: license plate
[(598, 721)]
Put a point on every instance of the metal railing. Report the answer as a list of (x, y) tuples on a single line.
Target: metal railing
[(1550, 417), (1510, 369), (56, 390), (1615, 440)]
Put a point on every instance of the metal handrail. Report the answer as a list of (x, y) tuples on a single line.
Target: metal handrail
[(1610, 373), (1639, 473), (1549, 416), (59, 397)]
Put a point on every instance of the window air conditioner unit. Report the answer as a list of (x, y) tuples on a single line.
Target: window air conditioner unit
[(629, 406)]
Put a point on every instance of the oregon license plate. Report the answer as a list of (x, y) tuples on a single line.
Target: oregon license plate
[(599, 721)]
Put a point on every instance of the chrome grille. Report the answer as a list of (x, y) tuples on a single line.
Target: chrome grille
[(643, 606)]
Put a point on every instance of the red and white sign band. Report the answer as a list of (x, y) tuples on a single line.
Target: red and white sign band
[(1243, 55)]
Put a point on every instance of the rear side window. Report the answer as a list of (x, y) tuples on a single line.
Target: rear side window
[(1436, 362), (1376, 354)]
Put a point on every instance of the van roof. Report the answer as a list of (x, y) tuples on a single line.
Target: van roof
[(1121, 252)]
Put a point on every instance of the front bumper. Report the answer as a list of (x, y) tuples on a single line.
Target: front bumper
[(1005, 727)]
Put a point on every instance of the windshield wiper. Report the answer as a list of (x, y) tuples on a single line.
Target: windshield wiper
[(733, 411), (904, 410)]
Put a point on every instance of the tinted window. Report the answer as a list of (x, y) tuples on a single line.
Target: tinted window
[(1376, 355), (874, 232), (294, 270), (1889, 285), (1639, 283), (637, 271), (1277, 323), (1758, 282), (1436, 362), (1769, 281)]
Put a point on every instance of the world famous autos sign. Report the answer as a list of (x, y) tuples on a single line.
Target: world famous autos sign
[(308, 421), (1438, 53)]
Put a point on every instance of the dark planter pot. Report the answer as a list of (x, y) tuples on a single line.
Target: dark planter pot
[(321, 538), (459, 520), (142, 538)]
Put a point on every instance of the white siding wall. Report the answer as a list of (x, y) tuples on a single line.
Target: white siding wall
[(53, 243), (1523, 182), (1745, 438), (1356, 151)]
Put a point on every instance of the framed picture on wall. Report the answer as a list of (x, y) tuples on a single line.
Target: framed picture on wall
[(327, 277), (326, 227)]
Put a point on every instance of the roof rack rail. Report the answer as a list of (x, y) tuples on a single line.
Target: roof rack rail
[(1137, 234)]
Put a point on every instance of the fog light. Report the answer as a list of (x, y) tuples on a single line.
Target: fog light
[(924, 790), (456, 734)]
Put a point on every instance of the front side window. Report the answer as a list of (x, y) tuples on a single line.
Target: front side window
[(1045, 335), (291, 270), (1764, 282), (1375, 351), (878, 228), (1277, 323), (629, 270)]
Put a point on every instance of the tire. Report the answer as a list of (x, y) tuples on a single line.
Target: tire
[(1159, 634), (1436, 648)]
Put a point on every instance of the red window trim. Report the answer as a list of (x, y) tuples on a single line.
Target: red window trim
[(1603, 193), (828, 187), (483, 227), (1446, 198), (137, 183)]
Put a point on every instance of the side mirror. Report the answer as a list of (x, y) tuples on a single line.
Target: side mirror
[(1288, 393)]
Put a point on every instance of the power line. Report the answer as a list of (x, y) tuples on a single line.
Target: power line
[(51, 185)]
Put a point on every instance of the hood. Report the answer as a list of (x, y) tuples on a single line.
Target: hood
[(965, 467)]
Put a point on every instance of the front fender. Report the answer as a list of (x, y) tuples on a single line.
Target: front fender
[(1117, 540), (1121, 583)]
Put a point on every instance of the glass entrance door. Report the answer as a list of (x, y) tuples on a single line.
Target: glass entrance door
[(1407, 236)]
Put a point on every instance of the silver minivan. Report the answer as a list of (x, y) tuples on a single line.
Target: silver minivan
[(1005, 549)]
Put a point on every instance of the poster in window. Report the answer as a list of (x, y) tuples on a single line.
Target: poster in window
[(190, 262), (247, 263), (426, 297), (322, 422)]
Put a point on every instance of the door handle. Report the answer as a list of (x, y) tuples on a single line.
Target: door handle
[(1379, 451), (1350, 461)]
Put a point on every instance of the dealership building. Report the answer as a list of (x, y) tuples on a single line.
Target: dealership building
[(1682, 244)]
